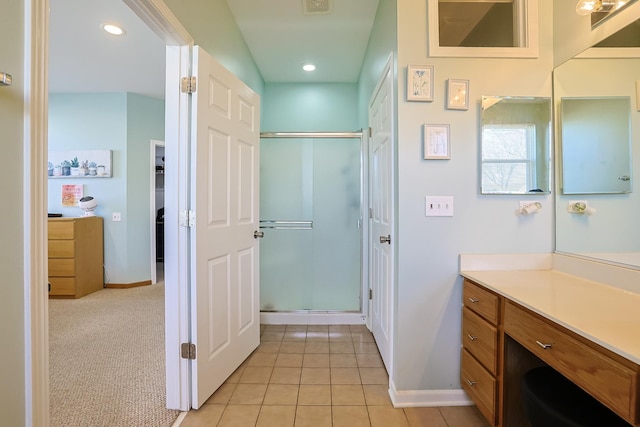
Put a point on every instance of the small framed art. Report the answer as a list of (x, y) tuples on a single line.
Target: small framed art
[(457, 94), (420, 83), (436, 142)]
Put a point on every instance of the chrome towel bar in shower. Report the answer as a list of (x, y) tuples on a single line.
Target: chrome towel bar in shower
[(286, 225)]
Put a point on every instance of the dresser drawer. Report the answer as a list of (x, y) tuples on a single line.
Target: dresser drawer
[(589, 367), (59, 229), (62, 286), (480, 300), (480, 338), (480, 385), (61, 249), (62, 267)]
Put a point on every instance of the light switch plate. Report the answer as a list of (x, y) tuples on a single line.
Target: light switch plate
[(439, 205)]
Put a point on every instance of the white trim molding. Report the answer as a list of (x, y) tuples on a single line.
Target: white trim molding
[(36, 65), (427, 398)]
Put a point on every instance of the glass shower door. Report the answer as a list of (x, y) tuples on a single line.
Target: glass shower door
[(310, 255)]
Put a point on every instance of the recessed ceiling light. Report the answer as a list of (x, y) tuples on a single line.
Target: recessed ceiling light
[(308, 67), (113, 29)]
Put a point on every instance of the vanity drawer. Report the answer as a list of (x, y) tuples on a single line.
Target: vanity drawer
[(588, 366), (482, 301), (480, 385), (480, 338)]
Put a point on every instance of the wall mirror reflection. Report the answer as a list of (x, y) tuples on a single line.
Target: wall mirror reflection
[(601, 10), (612, 233), (515, 145), (483, 28), (595, 145)]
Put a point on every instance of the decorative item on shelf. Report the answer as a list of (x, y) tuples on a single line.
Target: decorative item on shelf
[(75, 167), (580, 207), (66, 168), (420, 83), (50, 169), (92, 168), (100, 170), (84, 168), (57, 170), (528, 208), (457, 94)]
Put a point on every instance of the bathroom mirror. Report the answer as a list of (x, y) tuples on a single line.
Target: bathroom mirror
[(515, 145), (483, 28), (595, 145), (611, 233)]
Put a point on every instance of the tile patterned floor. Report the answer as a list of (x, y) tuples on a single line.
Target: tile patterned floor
[(317, 376)]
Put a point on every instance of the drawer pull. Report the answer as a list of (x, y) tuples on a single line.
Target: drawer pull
[(473, 301), (471, 383), (544, 346), (471, 337)]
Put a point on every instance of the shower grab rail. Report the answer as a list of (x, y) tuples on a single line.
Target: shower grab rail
[(286, 225)]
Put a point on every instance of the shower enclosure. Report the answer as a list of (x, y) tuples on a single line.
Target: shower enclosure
[(310, 209)]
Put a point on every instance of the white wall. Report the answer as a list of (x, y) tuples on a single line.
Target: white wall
[(429, 288), (12, 218)]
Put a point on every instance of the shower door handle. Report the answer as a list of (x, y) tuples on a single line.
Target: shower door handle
[(258, 234), (385, 239)]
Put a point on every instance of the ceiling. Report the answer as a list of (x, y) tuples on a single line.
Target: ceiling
[(83, 58)]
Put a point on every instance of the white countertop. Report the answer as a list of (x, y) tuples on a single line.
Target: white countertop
[(604, 314)]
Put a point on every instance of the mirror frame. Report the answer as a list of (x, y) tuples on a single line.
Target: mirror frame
[(530, 36)]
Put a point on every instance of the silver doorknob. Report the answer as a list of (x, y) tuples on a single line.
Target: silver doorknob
[(385, 239), (258, 234)]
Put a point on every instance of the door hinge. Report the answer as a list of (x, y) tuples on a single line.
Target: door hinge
[(370, 213), (187, 218), (370, 293), (188, 350), (188, 84), (370, 132)]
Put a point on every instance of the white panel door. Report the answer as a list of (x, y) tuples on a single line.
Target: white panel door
[(225, 144), (381, 155)]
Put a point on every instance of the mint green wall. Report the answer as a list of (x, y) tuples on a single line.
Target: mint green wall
[(123, 123), (322, 107), (12, 218), (382, 43), (213, 27)]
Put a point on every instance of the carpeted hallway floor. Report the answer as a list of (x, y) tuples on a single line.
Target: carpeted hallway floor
[(107, 359)]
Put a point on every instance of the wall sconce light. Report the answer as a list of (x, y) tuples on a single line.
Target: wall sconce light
[(580, 207), (587, 7), (528, 208)]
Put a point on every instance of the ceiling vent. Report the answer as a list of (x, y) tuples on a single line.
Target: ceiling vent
[(316, 7)]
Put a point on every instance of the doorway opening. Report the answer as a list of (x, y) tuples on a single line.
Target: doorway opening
[(157, 211)]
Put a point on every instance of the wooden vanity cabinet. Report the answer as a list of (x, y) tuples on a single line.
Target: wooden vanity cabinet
[(480, 368), (502, 340), (75, 256)]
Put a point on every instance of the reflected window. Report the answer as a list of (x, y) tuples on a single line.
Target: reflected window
[(508, 158)]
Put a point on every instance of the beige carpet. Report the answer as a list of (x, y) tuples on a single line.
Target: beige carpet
[(107, 359)]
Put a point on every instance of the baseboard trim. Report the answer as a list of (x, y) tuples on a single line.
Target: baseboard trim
[(127, 285), (312, 318), (428, 398)]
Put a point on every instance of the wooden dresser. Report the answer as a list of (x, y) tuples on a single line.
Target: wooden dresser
[(502, 339), (75, 256)]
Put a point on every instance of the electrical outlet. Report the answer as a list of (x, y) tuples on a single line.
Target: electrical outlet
[(439, 205), (117, 216)]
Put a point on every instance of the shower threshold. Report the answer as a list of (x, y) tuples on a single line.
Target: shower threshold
[(312, 317)]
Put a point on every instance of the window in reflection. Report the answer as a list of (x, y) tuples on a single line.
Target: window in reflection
[(508, 158)]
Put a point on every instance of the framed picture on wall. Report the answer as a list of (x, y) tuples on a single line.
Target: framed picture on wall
[(436, 142), (457, 94), (420, 83), (79, 164)]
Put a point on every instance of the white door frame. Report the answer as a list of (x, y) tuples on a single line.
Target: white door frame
[(155, 144), (161, 20)]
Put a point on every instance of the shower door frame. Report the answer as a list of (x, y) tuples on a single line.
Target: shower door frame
[(333, 316)]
